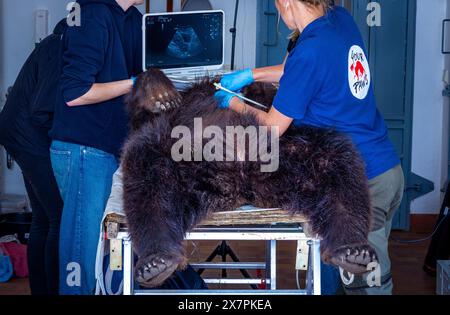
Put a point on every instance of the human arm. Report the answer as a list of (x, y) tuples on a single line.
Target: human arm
[(238, 80), (101, 92), (271, 74), (273, 118), (298, 87)]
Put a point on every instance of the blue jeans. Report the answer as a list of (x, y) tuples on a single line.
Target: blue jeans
[(84, 177), (330, 279)]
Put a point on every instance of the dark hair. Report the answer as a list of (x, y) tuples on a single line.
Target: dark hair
[(152, 94)]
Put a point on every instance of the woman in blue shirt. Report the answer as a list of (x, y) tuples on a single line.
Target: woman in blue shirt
[(327, 83)]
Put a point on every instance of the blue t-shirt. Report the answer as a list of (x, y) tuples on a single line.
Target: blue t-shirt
[(327, 83)]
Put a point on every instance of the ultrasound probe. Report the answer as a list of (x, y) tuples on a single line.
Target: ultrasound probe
[(220, 87)]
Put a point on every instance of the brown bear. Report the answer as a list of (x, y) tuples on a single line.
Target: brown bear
[(320, 175)]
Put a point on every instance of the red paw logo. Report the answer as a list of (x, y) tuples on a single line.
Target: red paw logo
[(359, 72)]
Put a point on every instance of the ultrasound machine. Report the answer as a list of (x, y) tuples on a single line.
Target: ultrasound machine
[(185, 45)]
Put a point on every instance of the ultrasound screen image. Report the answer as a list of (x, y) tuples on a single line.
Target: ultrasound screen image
[(184, 40), (185, 44)]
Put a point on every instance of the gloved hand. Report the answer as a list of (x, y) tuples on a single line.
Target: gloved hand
[(237, 80), (223, 99)]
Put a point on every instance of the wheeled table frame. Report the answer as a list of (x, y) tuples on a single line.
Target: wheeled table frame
[(271, 235)]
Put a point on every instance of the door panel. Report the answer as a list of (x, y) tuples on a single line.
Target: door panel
[(273, 36), (388, 58), (391, 51)]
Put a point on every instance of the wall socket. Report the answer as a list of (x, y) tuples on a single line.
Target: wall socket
[(446, 80)]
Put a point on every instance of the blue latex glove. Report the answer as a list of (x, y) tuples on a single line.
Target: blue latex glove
[(134, 79), (223, 99), (237, 80)]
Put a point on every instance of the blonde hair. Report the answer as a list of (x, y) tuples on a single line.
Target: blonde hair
[(294, 35), (326, 4)]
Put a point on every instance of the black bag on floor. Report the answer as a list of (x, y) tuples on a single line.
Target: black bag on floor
[(187, 279), (440, 244)]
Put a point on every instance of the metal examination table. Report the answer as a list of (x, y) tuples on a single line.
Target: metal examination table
[(287, 228)]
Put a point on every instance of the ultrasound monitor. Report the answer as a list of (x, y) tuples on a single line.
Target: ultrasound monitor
[(184, 41)]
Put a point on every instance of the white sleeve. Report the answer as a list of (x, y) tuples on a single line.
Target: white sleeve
[(115, 201)]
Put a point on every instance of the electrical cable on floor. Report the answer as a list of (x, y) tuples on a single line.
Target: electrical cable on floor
[(422, 239)]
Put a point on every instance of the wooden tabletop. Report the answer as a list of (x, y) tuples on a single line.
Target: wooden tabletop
[(238, 217)]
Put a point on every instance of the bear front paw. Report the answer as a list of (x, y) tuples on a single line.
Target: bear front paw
[(152, 271), (354, 258)]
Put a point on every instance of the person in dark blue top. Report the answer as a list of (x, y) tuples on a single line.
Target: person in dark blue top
[(24, 125), (100, 59), (327, 83)]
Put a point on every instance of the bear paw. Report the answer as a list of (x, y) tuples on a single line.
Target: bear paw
[(153, 270), (354, 258)]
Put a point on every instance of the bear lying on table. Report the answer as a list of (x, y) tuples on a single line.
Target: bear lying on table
[(320, 175)]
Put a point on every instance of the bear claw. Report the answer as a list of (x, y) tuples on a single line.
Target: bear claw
[(354, 258), (153, 270)]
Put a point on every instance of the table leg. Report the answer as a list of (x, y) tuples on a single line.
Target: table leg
[(128, 268), (316, 266), (271, 264)]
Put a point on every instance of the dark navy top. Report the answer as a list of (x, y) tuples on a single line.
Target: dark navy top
[(107, 47)]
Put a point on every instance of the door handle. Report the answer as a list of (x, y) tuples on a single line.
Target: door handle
[(446, 91), (416, 187)]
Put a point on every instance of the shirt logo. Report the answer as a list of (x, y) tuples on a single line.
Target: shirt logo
[(358, 72)]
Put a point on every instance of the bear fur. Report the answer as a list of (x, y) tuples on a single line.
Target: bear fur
[(320, 175)]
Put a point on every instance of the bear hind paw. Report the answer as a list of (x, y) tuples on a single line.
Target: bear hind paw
[(354, 258), (152, 271)]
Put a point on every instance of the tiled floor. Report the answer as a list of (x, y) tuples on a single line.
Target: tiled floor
[(407, 263)]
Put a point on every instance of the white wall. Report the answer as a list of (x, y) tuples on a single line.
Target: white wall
[(17, 38), (17, 42), (2, 165), (431, 112), (1, 57), (246, 34)]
